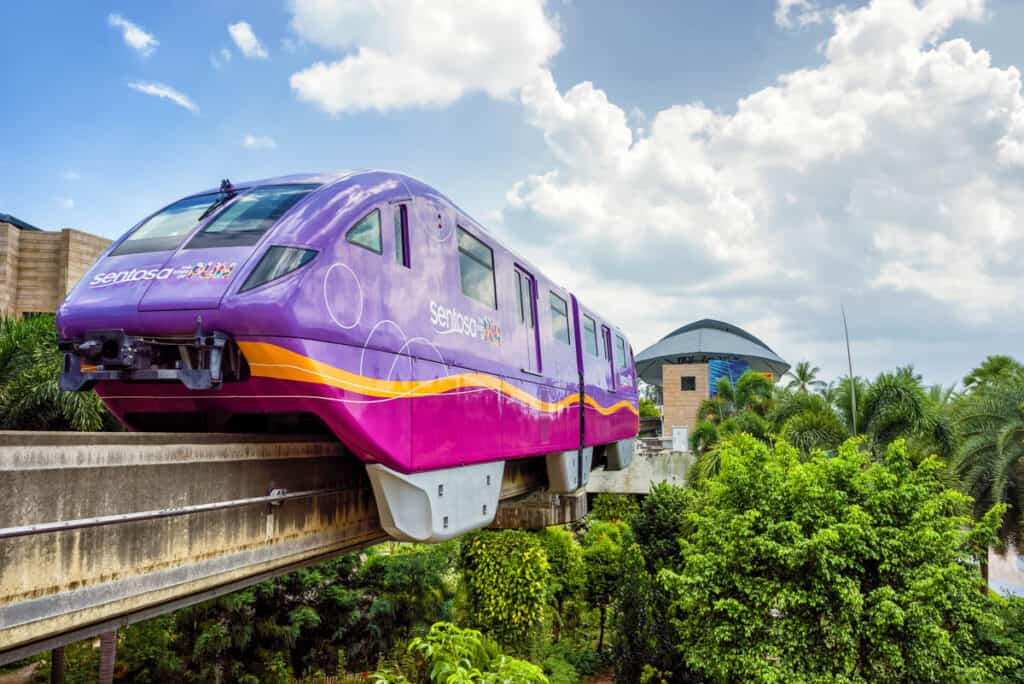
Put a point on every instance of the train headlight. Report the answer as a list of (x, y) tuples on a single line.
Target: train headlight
[(277, 262)]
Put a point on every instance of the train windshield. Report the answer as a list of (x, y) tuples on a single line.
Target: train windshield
[(246, 219), (165, 230)]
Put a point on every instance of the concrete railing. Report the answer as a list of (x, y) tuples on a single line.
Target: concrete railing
[(101, 530)]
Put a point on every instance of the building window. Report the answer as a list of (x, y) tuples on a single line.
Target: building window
[(689, 383), (560, 319), (366, 233), (476, 268), (590, 335), (402, 235)]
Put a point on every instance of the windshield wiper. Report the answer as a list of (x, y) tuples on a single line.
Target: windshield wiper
[(227, 192)]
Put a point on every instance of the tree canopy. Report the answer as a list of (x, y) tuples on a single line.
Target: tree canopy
[(831, 569)]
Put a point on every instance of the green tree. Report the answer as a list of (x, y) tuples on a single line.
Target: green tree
[(566, 571), (602, 556), (660, 522), (146, 653), (804, 378), (30, 365), (648, 409), (505, 576), (450, 655), (734, 409), (896, 406), (613, 507), (942, 396), (990, 421), (846, 391), (808, 422), (847, 569), (351, 610), (829, 392), (992, 369)]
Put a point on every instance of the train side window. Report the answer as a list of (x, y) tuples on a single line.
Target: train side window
[(590, 335), (476, 269), (560, 319), (366, 233), (620, 352), (402, 235), (524, 299)]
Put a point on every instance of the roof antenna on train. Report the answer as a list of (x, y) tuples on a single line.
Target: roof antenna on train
[(226, 187)]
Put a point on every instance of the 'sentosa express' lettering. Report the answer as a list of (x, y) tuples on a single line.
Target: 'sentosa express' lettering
[(448, 320)]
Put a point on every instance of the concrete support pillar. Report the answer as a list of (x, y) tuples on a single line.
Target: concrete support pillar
[(108, 654)]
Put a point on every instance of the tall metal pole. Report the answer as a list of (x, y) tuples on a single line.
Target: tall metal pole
[(853, 382)]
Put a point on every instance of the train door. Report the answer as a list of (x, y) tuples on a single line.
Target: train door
[(526, 301), (606, 337)]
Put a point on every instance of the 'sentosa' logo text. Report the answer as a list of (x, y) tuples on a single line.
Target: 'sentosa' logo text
[(448, 320), (203, 270)]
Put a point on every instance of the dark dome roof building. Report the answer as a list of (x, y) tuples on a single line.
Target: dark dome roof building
[(686, 365), (705, 340)]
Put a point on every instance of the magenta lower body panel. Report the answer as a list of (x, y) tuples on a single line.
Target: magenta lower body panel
[(409, 414)]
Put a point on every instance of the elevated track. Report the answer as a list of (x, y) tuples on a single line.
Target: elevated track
[(102, 530)]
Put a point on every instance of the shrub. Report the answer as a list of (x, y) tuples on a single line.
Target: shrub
[(506, 580)]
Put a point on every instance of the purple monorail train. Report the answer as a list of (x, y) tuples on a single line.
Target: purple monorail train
[(371, 304)]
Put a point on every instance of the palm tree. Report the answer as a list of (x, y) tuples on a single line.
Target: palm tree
[(804, 377), (829, 392), (942, 396), (993, 368), (30, 364), (808, 422), (843, 401), (896, 406), (734, 409), (990, 458)]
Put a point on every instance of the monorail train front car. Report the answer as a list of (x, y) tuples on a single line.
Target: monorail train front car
[(366, 302)]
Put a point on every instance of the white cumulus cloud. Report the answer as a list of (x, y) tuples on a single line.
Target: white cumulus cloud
[(134, 35), (220, 59), (887, 178), (805, 12), (246, 41), (259, 142), (424, 54), (166, 92)]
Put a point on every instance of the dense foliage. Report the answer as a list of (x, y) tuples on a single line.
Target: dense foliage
[(831, 569), (30, 364), (506, 578), (991, 425)]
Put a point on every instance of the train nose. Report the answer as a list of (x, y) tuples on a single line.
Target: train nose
[(194, 279)]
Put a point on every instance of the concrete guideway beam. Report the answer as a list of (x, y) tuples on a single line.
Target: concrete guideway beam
[(165, 520)]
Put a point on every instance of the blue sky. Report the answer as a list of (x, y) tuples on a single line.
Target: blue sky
[(673, 187), (75, 112)]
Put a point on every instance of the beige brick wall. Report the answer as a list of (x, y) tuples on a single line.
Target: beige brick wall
[(8, 266), (37, 268), (680, 408), (40, 271), (82, 250)]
